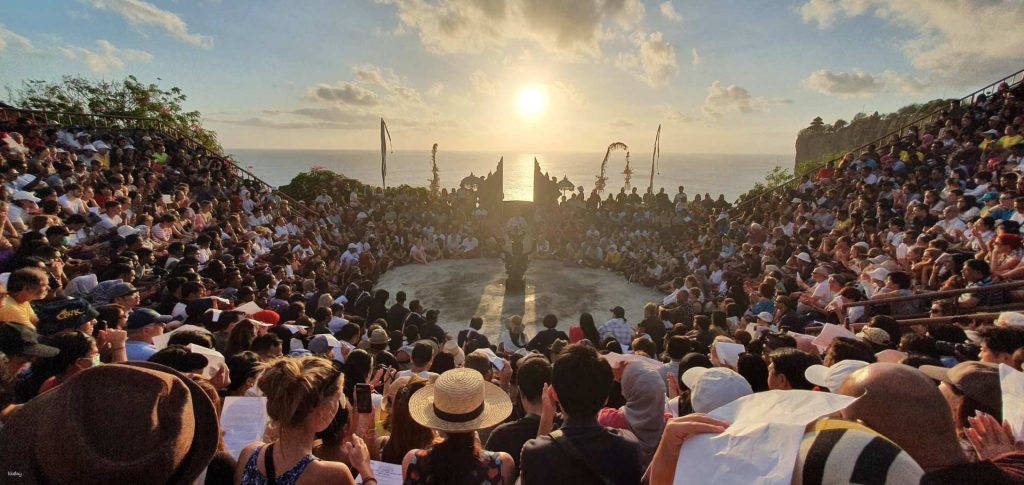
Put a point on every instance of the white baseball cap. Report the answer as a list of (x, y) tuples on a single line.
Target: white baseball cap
[(1010, 319), (125, 231), (765, 316), (23, 195), (878, 274), (833, 377), (804, 257), (713, 388)]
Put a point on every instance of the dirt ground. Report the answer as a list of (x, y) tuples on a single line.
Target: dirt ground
[(461, 289)]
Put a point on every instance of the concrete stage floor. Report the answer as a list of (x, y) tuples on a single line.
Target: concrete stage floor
[(461, 289)]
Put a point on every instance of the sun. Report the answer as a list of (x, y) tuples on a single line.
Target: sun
[(531, 101)]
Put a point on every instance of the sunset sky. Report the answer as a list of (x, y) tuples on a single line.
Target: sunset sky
[(722, 76)]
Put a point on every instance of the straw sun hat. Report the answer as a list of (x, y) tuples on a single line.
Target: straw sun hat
[(460, 401)]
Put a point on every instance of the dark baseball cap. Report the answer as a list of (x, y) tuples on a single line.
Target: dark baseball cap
[(18, 339), (977, 380), (122, 289), (58, 315), (140, 317), (180, 358)]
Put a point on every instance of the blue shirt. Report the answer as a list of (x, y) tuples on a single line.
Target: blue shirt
[(138, 350)]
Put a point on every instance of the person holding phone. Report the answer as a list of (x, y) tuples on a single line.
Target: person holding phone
[(303, 397)]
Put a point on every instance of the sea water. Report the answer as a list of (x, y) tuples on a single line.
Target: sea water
[(699, 173)]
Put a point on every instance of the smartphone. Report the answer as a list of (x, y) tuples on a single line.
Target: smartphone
[(364, 404)]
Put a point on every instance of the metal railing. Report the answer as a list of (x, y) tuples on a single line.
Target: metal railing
[(1013, 80)]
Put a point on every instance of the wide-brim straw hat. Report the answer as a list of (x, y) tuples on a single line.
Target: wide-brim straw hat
[(137, 422), (460, 401)]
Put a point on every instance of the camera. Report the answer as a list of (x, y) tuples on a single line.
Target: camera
[(967, 351)]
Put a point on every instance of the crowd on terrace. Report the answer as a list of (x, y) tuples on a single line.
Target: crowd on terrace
[(146, 281)]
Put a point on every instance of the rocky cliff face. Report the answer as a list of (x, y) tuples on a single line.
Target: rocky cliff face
[(818, 142)]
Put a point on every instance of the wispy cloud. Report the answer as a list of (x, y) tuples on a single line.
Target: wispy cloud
[(844, 84), (343, 92), (723, 99), (482, 83), (573, 28), (860, 83), (669, 12), (654, 61), (106, 56), (10, 38), (964, 41), (143, 14)]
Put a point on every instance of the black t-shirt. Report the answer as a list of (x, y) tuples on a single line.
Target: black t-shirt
[(510, 437), (656, 329), (543, 340), (433, 331), (614, 453)]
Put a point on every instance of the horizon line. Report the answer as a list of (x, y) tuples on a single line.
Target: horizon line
[(528, 152)]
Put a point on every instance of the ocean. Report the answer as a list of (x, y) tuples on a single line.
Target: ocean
[(716, 174)]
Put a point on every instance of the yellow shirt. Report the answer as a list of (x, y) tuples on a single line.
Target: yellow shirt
[(18, 313), (1008, 141)]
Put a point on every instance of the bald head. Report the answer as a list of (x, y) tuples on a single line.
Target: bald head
[(904, 405)]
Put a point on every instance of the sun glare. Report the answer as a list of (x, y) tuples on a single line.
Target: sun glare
[(531, 101)]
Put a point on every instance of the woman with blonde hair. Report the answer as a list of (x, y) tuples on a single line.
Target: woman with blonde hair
[(513, 337), (303, 397)]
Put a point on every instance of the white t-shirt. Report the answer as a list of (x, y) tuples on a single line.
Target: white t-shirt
[(76, 206), (955, 227)]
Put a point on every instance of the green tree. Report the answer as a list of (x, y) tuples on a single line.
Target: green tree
[(839, 124), (816, 124), (128, 97)]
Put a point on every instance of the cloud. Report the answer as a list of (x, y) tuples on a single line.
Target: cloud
[(8, 37), (669, 12), (859, 83), (345, 93), (139, 13), (823, 12), (906, 83), (482, 83), (334, 118), (965, 42), (735, 99), (570, 27), (568, 91), (388, 80), (435, 89), (106, 57), (620, 124), (676, 116), (695, 58), (844, 84), (655, 61)]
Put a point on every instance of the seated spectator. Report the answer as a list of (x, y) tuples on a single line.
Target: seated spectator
[(580, 382), (458, 404), (303, 396)]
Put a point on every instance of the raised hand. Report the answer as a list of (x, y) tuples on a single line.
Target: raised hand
[(989, 438)]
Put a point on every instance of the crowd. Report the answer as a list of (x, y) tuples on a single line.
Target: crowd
[(146, 281)]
